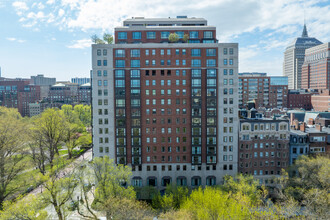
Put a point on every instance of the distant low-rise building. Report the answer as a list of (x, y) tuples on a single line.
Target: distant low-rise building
[(300, 99), (18, 93), (299, 144), (263, 147), (85, 94), (265, 91), (80, 80)]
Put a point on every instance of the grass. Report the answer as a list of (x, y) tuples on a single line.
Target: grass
[(63, 152)]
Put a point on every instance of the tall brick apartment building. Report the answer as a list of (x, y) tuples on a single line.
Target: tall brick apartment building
[(169, 110)]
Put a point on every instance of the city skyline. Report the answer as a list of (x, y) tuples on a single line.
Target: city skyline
[(53, 37)]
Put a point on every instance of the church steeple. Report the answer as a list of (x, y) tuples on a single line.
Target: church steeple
[(304, 33)]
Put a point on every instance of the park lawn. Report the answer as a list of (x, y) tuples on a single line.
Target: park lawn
[(63, 152)]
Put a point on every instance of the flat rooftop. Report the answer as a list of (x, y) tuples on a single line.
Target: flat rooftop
[(177, 21)]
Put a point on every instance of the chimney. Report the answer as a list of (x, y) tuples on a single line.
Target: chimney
[(292, 118), (310, 121), (303, 127), (295, 124), (318, 127)]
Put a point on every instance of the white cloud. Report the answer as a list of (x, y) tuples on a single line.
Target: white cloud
[(40, 6), (50, 2), (20, 6), (273, 23), (80, 44), (13, 39), (61, 12)]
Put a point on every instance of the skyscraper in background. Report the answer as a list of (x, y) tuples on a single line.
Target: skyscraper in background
[(294, 58)]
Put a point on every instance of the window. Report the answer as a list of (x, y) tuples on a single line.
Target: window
[(98, 52), (211, 82), (195, 52), (196, 63), (122, 35), (183, 62), (99, 63), (147, 62), (120, 63), (164, 34), (225, 61), (231, 62), (105, 62), (168, 51), (147, 52), (196, 73), (231, 71), (210, 52), (153, 52), (231, 50), (180, 34), (119, 83), (120, 53), (135, 63), (208, 34), (135, 53), (177, 51), (196, 82), (135, 83), (151, 35), (177, 62), (210, 62), (168, 62), (225, 51), (136, 35), (193, 34), (183, 51)]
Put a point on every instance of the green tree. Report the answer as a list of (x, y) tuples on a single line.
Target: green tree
[(110, 185), (185, 38), (173, 37), (71, 137), (71, 116), (50, 129), (309, 186), (173, 198), (28, 208), (212, 203), (95, 39), (84, 114), (85, 140), (58, 189), (245, 185), (12, 139), (108, 38), (38, 150)]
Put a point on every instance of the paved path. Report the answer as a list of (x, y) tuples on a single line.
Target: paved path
[(84, 158)]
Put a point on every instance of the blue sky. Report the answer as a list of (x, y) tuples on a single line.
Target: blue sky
[(52, 37)]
